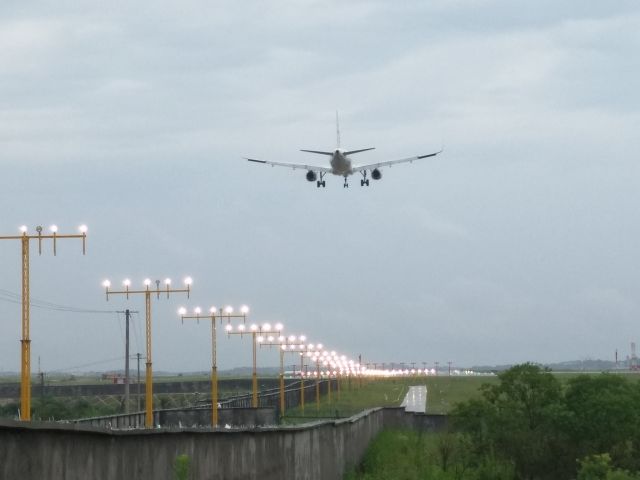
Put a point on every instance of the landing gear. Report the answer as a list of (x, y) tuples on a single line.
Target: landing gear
[(365, 180), (346, 184), (321, 182)]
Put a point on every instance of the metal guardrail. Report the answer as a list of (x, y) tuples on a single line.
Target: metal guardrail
[(269, 398)]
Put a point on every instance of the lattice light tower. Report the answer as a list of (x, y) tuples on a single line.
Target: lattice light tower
[(290, 344), (25, 363), (214, 314), (147, 291), (254, 330)]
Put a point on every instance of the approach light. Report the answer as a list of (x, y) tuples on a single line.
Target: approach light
[(53, 228), (182, 311), (106, 284), (23, 229), (83, 229), (244, 309), (126, 282), (188, 281)]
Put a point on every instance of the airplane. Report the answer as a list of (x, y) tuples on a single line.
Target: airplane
[(340, 164)]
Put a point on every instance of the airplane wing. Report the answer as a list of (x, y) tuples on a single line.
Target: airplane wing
[(388, 163), (291, 165)]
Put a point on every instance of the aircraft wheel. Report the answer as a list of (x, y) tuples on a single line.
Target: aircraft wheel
[(367, 182)]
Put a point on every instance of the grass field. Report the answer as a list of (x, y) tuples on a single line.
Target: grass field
[(442, 393)]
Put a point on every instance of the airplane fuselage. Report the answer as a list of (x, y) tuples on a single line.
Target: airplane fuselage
[(340, 163)]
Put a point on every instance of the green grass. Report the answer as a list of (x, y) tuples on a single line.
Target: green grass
[(414, 455), (442, 393)]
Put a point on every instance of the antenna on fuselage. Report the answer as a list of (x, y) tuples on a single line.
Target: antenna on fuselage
[(337, 131)]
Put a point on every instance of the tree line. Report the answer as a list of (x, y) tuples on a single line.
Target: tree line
[(588, 428)]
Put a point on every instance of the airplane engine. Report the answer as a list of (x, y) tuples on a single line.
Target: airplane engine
[(311, 176), (376, 174)]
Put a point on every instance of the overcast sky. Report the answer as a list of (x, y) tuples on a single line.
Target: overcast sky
[(519, 242)]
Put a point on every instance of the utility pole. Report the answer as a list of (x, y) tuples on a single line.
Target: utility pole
[(127, 378), (449, 362), (41, 375)]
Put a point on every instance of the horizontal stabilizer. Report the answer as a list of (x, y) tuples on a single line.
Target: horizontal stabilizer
[(358, 151), (318, 152)]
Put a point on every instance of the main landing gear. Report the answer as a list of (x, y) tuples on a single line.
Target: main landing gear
[(365, 180), (321, 183)]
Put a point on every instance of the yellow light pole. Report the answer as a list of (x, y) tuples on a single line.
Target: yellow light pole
[(317, 386), (331, 361), (255, 331), (214, 314), (290, 344), (302, 392), (25, 363), (147, 292), (315, 356)]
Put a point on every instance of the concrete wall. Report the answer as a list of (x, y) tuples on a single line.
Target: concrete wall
[(319, 451)]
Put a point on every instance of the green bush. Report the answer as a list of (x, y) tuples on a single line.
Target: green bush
[(182, 467)]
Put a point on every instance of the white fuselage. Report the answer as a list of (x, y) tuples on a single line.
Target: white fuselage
[(340, 164)]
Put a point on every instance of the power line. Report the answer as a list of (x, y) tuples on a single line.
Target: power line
[(11, 297), (76, 367)]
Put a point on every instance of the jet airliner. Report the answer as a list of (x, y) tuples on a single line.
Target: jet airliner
[(340, 164)]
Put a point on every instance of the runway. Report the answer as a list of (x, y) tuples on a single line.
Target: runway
[(416, 399)]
